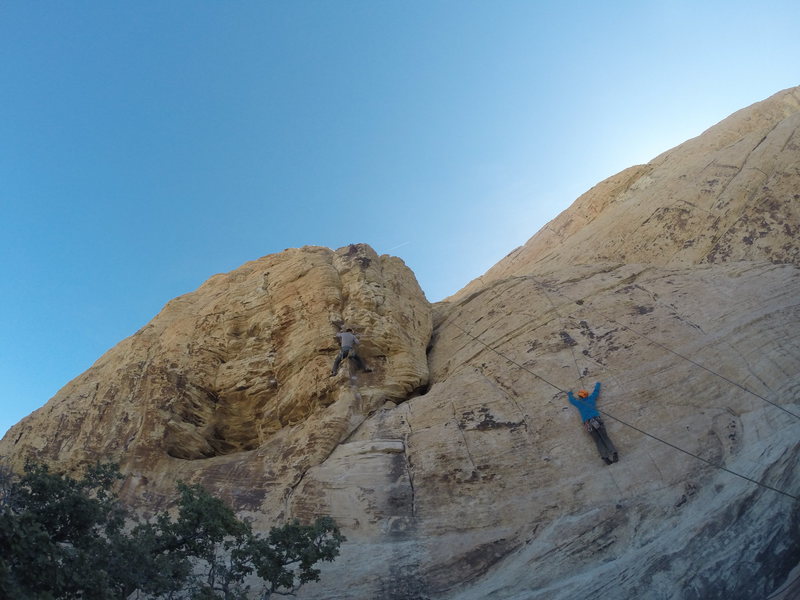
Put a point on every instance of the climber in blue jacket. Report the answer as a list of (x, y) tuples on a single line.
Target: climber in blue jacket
[(587, 405)]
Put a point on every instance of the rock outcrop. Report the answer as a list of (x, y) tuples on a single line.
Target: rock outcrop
[(230, 385), (457, 468), (729, 194)]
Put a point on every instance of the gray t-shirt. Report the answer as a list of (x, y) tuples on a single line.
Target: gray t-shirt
[(348, 339)]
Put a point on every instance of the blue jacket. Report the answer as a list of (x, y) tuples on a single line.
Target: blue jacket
[(586, 406)]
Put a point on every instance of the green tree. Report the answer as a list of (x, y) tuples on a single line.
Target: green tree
[(65, 538)]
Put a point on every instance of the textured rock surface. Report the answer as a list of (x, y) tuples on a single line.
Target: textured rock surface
[(462, 472), (658, 522), (729, 194), (229, 385)]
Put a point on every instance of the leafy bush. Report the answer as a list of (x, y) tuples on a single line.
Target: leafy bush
[(64, 538)]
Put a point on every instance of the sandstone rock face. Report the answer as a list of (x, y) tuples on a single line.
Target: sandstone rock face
[(630, 527), (230, 385), (457, 469), (729, 194), (487, 487)]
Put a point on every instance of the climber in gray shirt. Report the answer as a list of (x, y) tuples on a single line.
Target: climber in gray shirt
[(349, 341)]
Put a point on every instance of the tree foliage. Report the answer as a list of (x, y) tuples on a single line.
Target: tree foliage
[(65, 538)]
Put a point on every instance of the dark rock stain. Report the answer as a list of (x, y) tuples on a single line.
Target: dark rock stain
[(567, 339)]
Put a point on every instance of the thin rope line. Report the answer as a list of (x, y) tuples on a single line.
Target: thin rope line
[(697, 364), (784, 588), (571, 346), (678, 354), (551, 384), (643, 432)]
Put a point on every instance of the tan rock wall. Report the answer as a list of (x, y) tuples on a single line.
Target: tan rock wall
[(492, 480), (729, 194), (230, 384)]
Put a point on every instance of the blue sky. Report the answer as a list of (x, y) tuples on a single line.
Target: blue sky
[(146, 146)]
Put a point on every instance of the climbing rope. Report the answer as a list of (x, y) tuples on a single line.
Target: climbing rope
[(642, 431), (567, 341), (663, 347), (783, 589)]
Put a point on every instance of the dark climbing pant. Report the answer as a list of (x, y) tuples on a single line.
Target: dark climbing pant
[(348, 353), (604, 444)]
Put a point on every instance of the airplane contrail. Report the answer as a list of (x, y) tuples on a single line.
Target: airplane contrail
[(400, 246)]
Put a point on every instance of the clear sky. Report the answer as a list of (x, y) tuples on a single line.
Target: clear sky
[(147, 145)]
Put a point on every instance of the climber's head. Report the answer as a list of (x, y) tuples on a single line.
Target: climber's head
[(583, 394)]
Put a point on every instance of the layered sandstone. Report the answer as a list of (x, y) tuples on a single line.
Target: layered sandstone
[(457, 469), (230, 385), (729, 194), (487, 487)]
